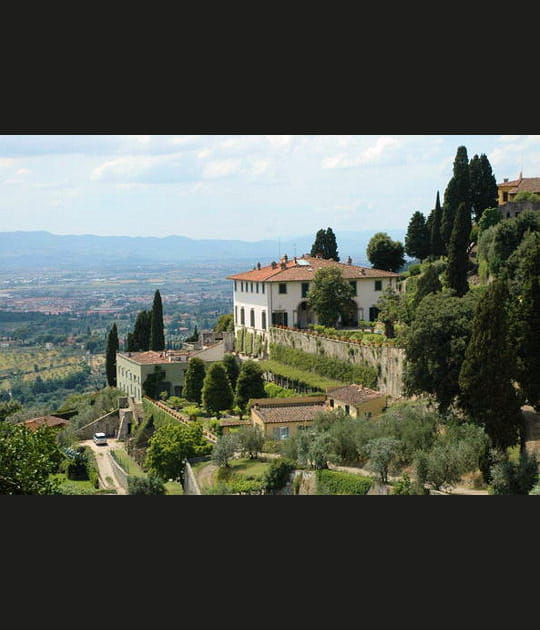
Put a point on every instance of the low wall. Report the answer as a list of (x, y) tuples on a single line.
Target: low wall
[(107, 424), (120, 474), (388, 360)]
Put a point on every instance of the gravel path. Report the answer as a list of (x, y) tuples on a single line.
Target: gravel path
[(103, 461)]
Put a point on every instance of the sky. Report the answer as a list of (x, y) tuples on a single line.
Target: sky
[(246, 187)]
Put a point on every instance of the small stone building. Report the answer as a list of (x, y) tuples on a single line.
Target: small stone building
[(280, 418), (51, 421), (356, 400)]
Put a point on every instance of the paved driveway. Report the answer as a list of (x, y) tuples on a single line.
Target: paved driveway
[(103, 461)]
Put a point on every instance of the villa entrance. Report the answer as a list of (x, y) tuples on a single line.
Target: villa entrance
[(305, 316)]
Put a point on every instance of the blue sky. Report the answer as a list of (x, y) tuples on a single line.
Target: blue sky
[(250, 187)]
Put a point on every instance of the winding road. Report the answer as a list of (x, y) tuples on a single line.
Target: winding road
[(103, 461)]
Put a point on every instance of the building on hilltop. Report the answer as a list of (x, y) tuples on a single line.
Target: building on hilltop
[(276, 294), (508, 207), (133, 368)]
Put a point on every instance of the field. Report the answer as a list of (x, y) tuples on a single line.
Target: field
[(29, 363)]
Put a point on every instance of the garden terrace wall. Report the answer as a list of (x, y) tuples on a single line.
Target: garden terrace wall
[(388, 360)]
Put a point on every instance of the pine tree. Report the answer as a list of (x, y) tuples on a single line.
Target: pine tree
[(458, 257), (217, 394), (110, 356), (457, 191), (157, 337), (250, 384), (487, 372), (193, 380), (417, 241), (484, 191), (436, 243)]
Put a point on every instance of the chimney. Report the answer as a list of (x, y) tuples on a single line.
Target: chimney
[(363, 272), (285, 258), (258, 265), (349, 260), (274, 264), (506, 179), (283, 265)]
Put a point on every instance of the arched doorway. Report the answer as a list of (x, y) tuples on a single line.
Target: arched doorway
[(305, 316), (373, 314)]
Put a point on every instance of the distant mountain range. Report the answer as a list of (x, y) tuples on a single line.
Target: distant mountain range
[(46, 250)]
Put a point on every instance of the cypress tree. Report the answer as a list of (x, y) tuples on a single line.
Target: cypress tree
[(428, 282), (140, 339), (436, 243), (484, 191), (193, 380), (318, 246), (157, 337), (457, 191), (250, 384), (217, 394), (487, 372), (458, 257), (110, 356), (331, 245), (417, 241), (230, 363)]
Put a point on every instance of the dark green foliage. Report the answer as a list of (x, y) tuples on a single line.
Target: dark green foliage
[(157, 337), (232, 368), (484, 191), (360, 373), (526, 316), (217, 394), (277, 476), (508, 477), (458, 191), (154, 383), (325, 245), (417, 239), (382, 453), (147, 485), (27, 458), (458, 257), (337, 482), (225, 323), (76, 467), (436, 344), (427, 283), (488, 369), (139, 340), (384, 253), (224, 449), (194, 379), (390, 308), (194, 337), (250, 384), (527, 196), (437, 247), (110, 356), (329, 294)]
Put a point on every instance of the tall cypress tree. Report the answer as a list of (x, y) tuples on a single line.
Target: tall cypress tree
[(193, 380), (417, 238), (437, 248), (331, 245), (232, 368), (318, 246), (484, 191), (217, 394), (487, 372), (110, 356), (250, 384), (140, 339), (457, 191), (458, 257), (157, 336)]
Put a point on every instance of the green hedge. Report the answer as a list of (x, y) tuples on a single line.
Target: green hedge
[(361, 373), (337, 482), (299, 379), (91, 467)]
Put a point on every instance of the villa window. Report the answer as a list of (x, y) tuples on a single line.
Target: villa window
[(280, 433), (252, 318), (305, 289), (256, 287), (263, 322), (505, 196), (282, 287), (236, 314), (262, 287), (235, 285), (242, 317), (378, 285), (251, 287), (242, 287)]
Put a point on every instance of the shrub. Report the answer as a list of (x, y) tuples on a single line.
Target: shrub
[(149, 485), (277, 475), (337, 482)]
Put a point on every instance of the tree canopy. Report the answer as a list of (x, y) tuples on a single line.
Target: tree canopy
[(250, 384), (417, 239), (217, 394), (458, 256), (384, 253), (193, 380), (110, 356), (157, 336), (329, 295), (325, 244)]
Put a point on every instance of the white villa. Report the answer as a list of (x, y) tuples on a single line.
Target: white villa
[(276, 294)]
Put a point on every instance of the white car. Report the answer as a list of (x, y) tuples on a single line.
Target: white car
[(100, 438)]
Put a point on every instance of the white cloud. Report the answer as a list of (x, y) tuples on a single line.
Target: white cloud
[(279, 142), (6, 162), (370, 155), (221, 168), (23, 171)]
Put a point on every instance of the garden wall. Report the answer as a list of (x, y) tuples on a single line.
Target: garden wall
[(387, 359), (190, 483)]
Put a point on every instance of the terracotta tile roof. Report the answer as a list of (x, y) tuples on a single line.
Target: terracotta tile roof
[(293, 413), (353, 394), (152, 357), (50, 421), (526, 184), (288, 401), (296, 270)]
